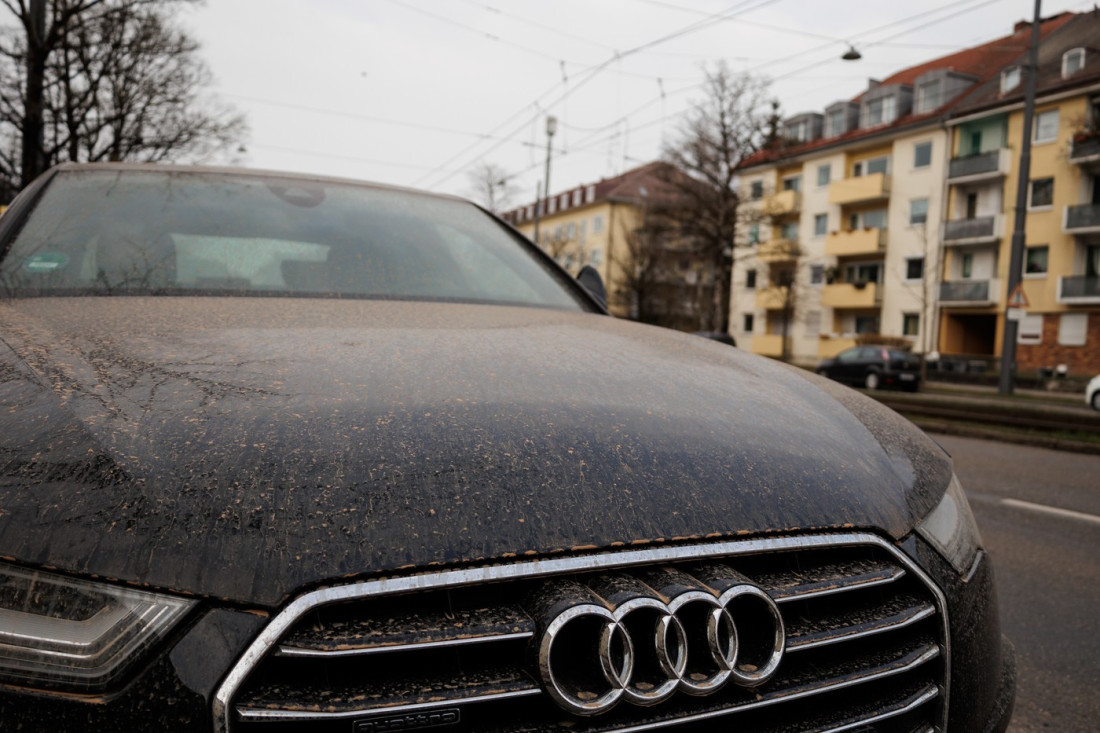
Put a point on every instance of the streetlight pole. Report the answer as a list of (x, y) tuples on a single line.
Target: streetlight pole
[(1019, 231)]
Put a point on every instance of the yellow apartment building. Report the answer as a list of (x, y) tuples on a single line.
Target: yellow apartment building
[(849, 244), (1060, 326)]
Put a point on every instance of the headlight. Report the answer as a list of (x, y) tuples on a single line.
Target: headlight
[(76, 633), (951, 528)]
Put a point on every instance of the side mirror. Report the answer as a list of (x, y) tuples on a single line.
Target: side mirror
[(590, 280)]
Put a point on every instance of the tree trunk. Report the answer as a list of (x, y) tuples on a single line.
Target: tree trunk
[(33, 163)]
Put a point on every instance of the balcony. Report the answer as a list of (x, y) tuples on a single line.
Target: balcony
[(1086, 151), (777, 250), (979, 230), (851, 295), (782, 203), (1079, 290), (856, 242), (970, 292), (767, 344), (1082, 219), (860, 189), (980, 167), (771, 298)]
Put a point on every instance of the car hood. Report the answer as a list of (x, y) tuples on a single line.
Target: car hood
[(244, 448)]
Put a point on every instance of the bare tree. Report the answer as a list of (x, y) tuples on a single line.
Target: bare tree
[(492, 187), (90, 80), (730, 123)]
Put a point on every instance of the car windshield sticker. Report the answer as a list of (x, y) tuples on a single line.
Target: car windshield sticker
[(45, 262)]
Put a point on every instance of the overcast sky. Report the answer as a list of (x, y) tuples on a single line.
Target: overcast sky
[(419, 92)]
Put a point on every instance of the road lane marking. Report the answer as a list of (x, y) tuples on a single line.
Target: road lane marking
[(1053, 510)]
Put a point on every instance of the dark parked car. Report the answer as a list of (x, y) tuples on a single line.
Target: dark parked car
[(284, 453), (874, 367)]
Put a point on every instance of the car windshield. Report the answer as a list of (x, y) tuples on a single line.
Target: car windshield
[(171, 232)]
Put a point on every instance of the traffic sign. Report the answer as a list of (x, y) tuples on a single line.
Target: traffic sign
[(1018, 298)]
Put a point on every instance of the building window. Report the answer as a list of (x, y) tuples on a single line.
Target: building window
[(910, 324), (757, 190), (1035, 261), (793, 183), (1031, 330), (597, 224), (1073, 329), (571, 231), (876, 165), (1042, 193), (834, 123), (1046, 126), (879, 111), (578, 197), (928, 96), (746, 323), (798, 131), (789, 231), (553, 206), (863, 272), (754, 234), (967, 265), (922, 155), (914, 268), (590, 194), (1010, 79), (866, 324), (821, 224), (823, 174), (1072, 62), (817, 274), (750, 279), (596, 256), (918, 211), (874, 219)]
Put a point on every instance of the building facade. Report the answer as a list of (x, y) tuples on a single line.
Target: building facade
[(853, 200), (1059, 326)]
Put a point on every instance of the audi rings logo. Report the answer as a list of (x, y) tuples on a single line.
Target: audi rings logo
[(641, 642)]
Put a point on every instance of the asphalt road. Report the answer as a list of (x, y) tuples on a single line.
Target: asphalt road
[(1039, 514)]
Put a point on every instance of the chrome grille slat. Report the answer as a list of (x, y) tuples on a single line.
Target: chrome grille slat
[(858, 612)]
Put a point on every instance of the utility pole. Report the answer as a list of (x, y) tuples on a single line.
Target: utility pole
[(32, 161), (551, 128), (1019, 231)]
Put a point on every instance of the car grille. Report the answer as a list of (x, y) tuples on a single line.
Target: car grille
[(865, 647)]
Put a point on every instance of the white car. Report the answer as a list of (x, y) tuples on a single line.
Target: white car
[(1092, 393)]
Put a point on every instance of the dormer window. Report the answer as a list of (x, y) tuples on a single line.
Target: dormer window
[(929, 96), (1072, 62), (879, 111), (834, 123), (1010, 79), (798, 131)]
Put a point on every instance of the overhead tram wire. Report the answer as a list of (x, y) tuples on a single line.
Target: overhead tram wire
[(591, 73)]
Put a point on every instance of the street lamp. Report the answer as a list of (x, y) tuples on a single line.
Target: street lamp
[(551, 128), (852, 54)]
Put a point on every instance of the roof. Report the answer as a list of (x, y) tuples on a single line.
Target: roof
[(1082, 31), (632, 185), (983, 62)]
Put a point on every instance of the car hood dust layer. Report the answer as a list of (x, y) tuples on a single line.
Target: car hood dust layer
[(244, 447)]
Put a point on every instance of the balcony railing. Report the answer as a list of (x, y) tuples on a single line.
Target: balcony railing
[(976, 167), (767, 344), (1079, 289), (778, 250), (972, 231), (782, 203), (851, 295), (1085, 151), (855, 242), (970, 292), (1082, 219), (856, 190), (771, 297)]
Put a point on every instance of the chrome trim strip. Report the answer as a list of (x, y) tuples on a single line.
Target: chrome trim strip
[(297, 651), (929, 695), (844, 589), (712, 714), (254, 714), (794, 646), (279, 624)]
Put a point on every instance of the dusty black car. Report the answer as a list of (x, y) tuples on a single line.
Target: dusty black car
[(874, 366), (285, 453)]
